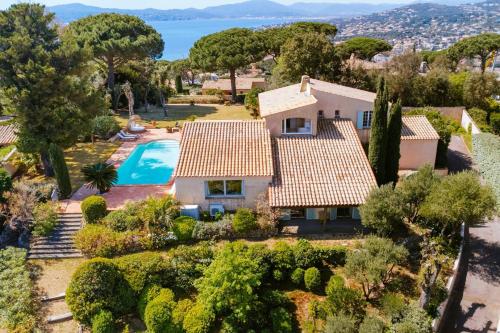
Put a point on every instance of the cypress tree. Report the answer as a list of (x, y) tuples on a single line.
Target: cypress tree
[(393, 143), (178, 84), (377, 149), (56, 155)]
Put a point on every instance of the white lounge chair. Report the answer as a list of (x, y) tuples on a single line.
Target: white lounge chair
[(126, 138), (127, 135)]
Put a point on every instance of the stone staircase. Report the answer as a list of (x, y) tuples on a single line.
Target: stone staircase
[(59, 244)]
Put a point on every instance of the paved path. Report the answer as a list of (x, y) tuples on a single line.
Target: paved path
[(476, 306)]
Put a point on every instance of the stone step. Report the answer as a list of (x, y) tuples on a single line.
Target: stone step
[(54, 256), (66, 228), (61, 246), (59, 318)]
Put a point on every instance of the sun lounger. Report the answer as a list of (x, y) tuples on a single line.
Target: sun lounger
[(126, 138), (125, 134)]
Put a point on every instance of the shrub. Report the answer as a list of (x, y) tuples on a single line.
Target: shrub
[(306, 255), (100, 241), (93, 208), (101, 176), (278, 275), (5, 183), (159, 215), (17, 307), (312, 278), (244, 220), (199, 319), (120, 220), (415, 320), (480, 118), (371, 325), (393, 306), (98, 285), (150, 292), (297, 276), (213, 230), (158, 313), (179, 313), (495, 122), (105, 126), (44, 218), (103, 322), (340, 323), (383, 210), (485, 148), (56, 155), (281, 320), (343, 299), (141, 269), (282, 257), (334, 255), (183, 228), (189, 263)]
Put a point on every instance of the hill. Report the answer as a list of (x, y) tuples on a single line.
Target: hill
[(251, 8)]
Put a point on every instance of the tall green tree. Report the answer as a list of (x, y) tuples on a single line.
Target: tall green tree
[(227, 50), (477, 46), (362, 47), (308, 53), (178, 84), (115, 39), (393, 142), (45, 81), (377, 150), (61, 170)]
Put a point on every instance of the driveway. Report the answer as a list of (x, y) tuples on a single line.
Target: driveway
[(476, 304)]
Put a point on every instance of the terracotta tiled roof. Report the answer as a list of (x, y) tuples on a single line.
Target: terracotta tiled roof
[(337, 89), (330, 169), (8, 134), (417, 128), (225, 148), (244, 83)]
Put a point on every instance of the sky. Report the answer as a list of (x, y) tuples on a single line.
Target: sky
[(169, 4)]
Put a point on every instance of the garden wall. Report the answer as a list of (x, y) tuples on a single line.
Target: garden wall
[(467, 121), (451, 286)]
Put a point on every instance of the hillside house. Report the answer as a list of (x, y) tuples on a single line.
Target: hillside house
[(306, 154)]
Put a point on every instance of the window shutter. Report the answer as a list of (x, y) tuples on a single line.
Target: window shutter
[(359, 121), (333, 214), (355, 213)]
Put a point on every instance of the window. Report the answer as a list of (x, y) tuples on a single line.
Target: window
[(224, 188), (337, 113), (367, 119), (321, 114), (343, 212), (296, 126)]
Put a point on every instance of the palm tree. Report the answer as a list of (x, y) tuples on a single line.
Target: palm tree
[(101, 176)]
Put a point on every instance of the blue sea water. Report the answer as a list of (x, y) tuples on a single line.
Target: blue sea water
[(150, 163), (179, 36)]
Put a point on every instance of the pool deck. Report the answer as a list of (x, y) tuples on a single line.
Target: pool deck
[(119, 195)]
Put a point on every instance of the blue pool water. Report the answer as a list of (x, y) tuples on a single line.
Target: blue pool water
[(150, 163)]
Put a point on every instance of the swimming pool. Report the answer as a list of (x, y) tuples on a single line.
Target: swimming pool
[(150, 163)]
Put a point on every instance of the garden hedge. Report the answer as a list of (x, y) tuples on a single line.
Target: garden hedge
[(486, 148), (158, 313), (103, 322), (94, 208), (244, 220), (183, 228), (99, 285)]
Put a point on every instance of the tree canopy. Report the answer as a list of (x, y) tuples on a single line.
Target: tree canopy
[(477, 46), (308, 53), (45, 80), (227, 50), (362, 47), (115, 39)]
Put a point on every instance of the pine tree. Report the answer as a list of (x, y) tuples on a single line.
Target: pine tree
[(393, 143), (178, 84), (377, 149), (61, 170)]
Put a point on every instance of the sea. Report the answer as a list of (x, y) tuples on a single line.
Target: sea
[(179, 36)]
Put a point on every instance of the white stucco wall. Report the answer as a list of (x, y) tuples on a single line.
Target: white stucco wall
[(417, 153), (191, 191)]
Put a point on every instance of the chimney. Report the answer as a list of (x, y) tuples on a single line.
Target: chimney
[(304, 83)]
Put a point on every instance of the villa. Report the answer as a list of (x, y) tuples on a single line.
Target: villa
[(243, 85), (306, 154)]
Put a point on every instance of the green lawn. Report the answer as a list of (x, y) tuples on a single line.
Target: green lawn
[(86, 153), (181, 113)]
